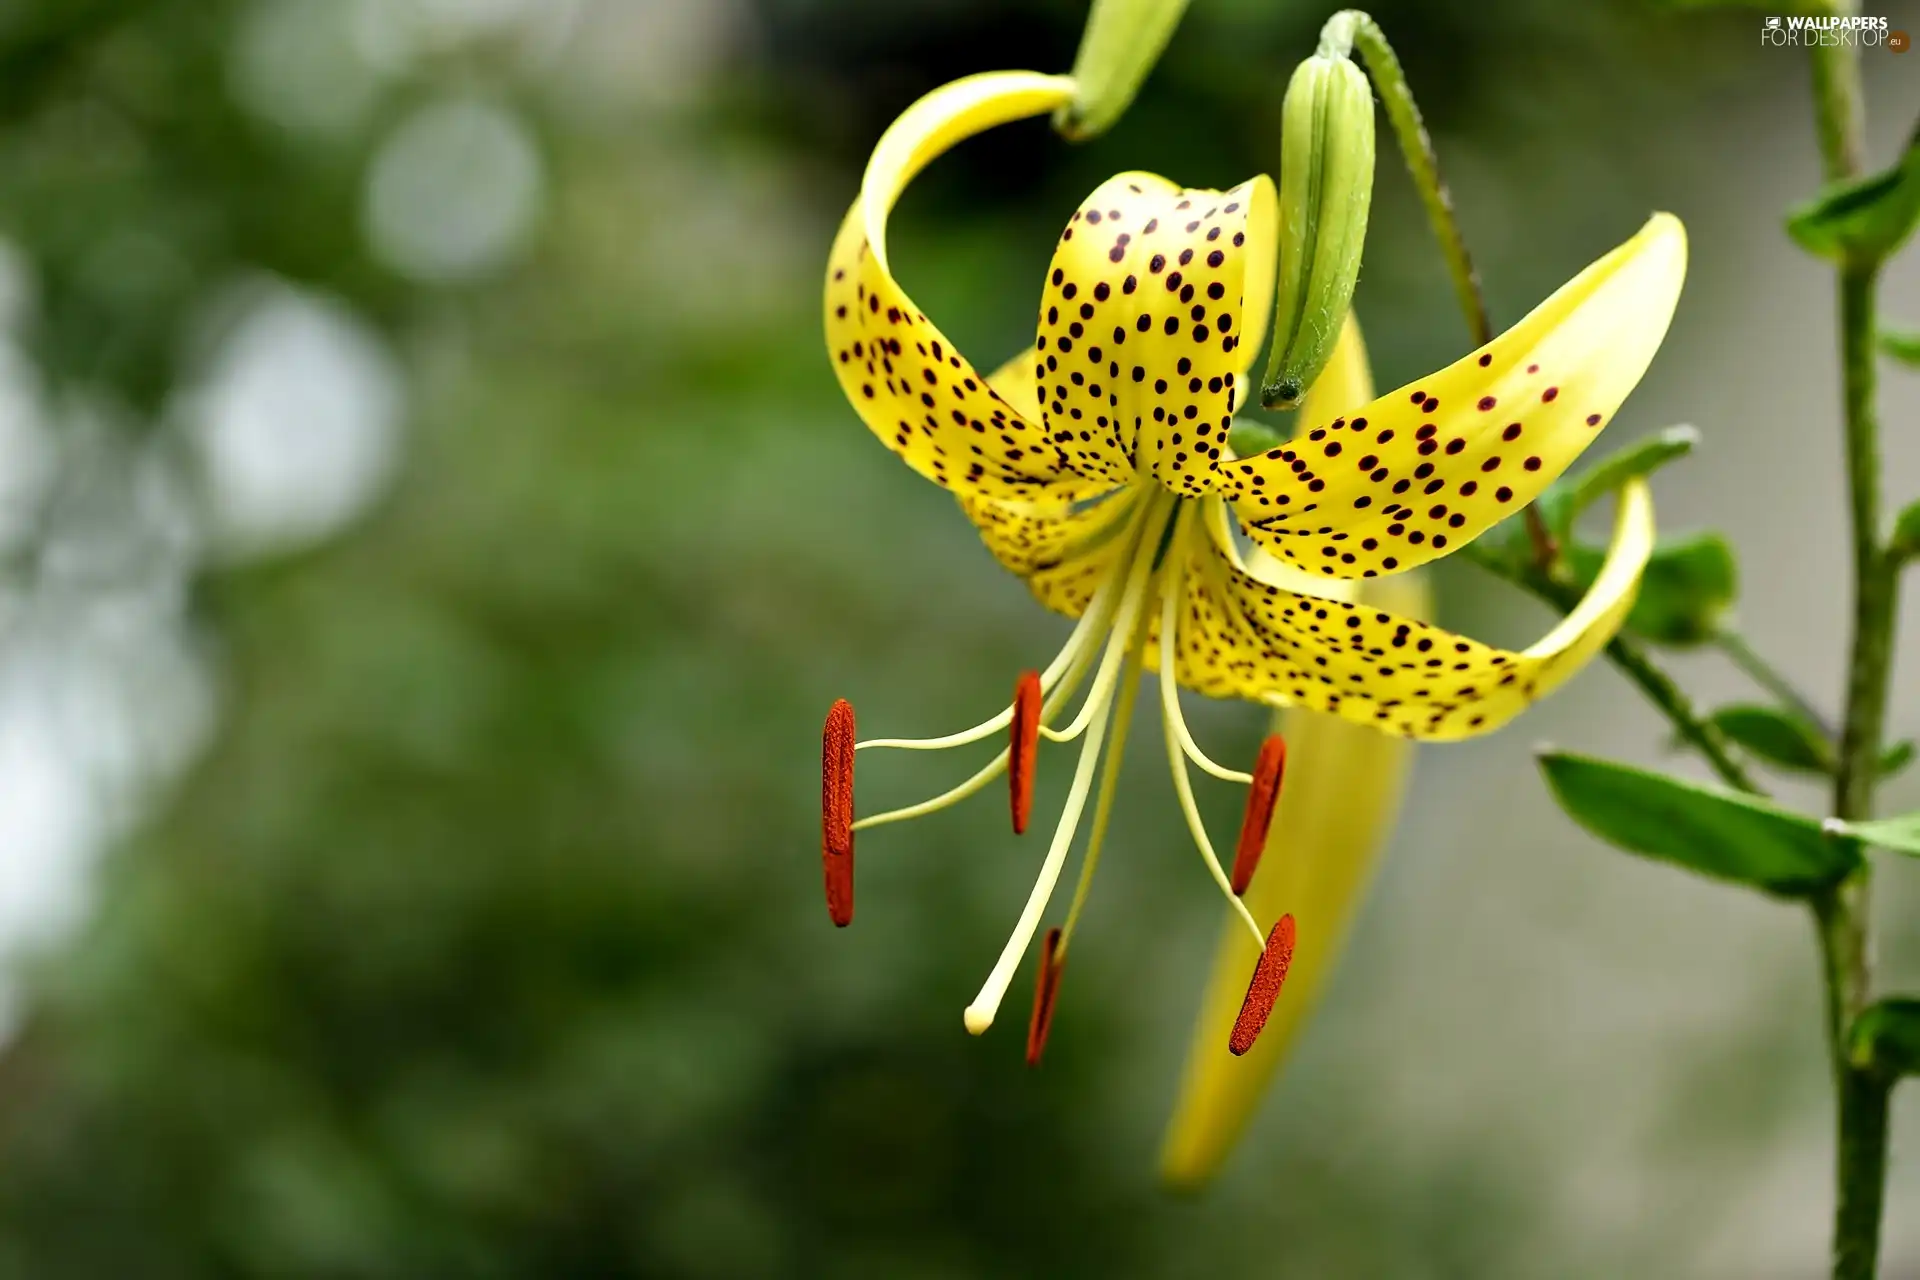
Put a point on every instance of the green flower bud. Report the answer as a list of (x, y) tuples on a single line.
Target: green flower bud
[(1122, 41), (1326, 188)]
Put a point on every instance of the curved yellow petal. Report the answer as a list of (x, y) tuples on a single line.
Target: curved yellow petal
[(950, 114), (1260, 639), (1429, 467), (1343, 789), (901, 374), (1144, 335)]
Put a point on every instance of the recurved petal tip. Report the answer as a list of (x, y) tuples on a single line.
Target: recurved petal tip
[(836, 811), (1268, 977)]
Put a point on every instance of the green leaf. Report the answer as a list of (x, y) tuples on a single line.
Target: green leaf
[(1249, 437), (1718, 833), (1906, 535), (1896, 758), (1861, 219), (1689, 585), (1902, 344), (1778, 737), (1568, 496), (1901, 834), (1886, 1037)]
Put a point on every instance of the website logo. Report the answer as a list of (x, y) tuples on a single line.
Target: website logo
[(1860, 32)]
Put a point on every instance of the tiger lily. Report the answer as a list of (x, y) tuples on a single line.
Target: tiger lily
[(1097, 468)]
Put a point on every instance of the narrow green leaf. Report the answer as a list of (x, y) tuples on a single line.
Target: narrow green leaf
[(1568, 496), (1249, 437), (1886, 1037), (1861, 219), (1896, 758), (1778, 737), (1901, 834), (1906, 534), (1689, 585), (1718, 833), (1901, 343)]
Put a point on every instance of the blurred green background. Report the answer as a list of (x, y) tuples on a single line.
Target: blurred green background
[(431, 537)]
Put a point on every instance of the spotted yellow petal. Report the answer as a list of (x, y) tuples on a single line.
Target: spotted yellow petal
[(1343, 788), (1427, 468), (902, 375), (1152, 312), (1273, 643), (1060, 544)]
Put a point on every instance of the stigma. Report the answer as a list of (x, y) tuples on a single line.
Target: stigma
[(1141, 607)]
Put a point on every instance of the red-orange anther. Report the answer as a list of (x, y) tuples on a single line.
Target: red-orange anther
[(1268, 976), (1262, 798), (1024, 747), (836, 811), (1046, 985)]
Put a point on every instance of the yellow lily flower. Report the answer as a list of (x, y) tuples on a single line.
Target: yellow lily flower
[(1346, 786), (1097, 468)]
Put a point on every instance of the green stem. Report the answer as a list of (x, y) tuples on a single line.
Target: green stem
[(1875, 580), (1843, 916), (1396, 98), (1638, 666), (1355, 28), (1838, 107), (1763, 673)]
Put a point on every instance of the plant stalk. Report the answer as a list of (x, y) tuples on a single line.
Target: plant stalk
[(1843, 916), (1423, 165), (1653, 681)]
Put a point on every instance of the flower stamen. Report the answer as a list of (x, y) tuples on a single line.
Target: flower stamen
[(1023, 745), (1122, 651), (836, 811), (1046, 986), (1263, 796), (1170, 600), (1079, 646), (1068, 686), (1206, 762), (1268, 976), (1109, 787)]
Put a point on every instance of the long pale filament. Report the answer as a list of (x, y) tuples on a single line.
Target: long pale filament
[(1084, 639), (1064, 692), (1109, 783), (980, 1014), (1176, 727)]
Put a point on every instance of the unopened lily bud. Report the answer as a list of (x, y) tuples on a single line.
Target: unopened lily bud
[(1123, 39), (1326, 188)]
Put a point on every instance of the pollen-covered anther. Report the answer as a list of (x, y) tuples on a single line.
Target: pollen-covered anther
[(836, 811), (1268, 976), (1024, 745), (1046, 985), (1262, 798)]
